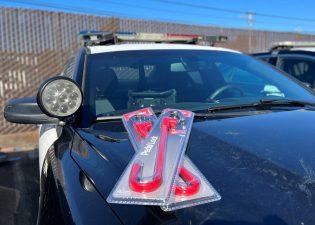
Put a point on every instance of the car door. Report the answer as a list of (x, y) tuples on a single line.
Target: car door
[(302, 67)]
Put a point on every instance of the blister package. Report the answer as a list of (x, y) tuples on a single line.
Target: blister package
[(150, 176), (205, 194), (138, 125), (191, 188)]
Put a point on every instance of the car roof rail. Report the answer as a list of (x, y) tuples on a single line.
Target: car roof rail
[(287, 45), (92, 38)]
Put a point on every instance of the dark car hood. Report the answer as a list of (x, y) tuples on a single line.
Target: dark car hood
[(262, 166)]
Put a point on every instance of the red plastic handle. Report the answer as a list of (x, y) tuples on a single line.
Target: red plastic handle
[(141, 186), (192, 182), (142, 128), (135, 181)]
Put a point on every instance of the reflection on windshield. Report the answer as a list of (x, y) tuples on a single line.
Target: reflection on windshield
[(119, 82)]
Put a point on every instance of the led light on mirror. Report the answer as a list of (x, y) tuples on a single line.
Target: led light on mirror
[(60, 97)]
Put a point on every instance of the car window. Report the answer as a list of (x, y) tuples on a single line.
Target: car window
[(127, 76), (301, 68), (271, 59), (233, 74), (265, 58), (148, 69), (194, 74), (119, 82)]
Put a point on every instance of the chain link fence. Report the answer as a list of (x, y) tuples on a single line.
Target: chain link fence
[(34, 45)]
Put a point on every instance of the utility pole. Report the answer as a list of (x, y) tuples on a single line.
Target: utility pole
[(298, 32), (250, 25)]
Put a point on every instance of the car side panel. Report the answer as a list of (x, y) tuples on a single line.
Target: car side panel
[(67, 197), (47, 136)]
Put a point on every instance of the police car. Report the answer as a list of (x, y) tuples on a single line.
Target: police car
[(293, 57), (252, 135)]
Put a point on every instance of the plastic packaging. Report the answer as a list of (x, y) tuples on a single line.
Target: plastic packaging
[(139, 124), (150, 176), (205, 194), (192, 188)]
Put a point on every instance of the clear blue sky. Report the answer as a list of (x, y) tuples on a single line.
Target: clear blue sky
[(280, 15)]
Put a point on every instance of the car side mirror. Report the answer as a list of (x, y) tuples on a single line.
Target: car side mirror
[(26, 111), (57, 98)]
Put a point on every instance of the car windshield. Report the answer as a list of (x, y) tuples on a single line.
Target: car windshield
[(122, 81)]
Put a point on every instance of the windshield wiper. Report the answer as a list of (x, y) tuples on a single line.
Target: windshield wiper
[(118, 117), (264, 103), (108, 118)]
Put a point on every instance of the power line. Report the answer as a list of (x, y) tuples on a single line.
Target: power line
[(166, 10), (198, 14), (285, 17), (199, 6), (93, 11), (303, 25), (67, 8)]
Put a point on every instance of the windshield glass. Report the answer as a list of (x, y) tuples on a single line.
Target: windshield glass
[(118, 82)]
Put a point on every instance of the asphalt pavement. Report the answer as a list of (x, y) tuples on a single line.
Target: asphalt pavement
[(19, 188)]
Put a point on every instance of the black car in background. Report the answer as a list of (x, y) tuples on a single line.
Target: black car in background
[(252, 136), (294, 58)]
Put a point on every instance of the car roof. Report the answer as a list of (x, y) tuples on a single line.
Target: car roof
[(311, 49), (275, 53), (133, 47)]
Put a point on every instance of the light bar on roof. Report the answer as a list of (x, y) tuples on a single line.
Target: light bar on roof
[(292, 44), (156, 37), (90, 38)]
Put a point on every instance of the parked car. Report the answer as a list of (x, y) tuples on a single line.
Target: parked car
[(294, 58), (252, 136)]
